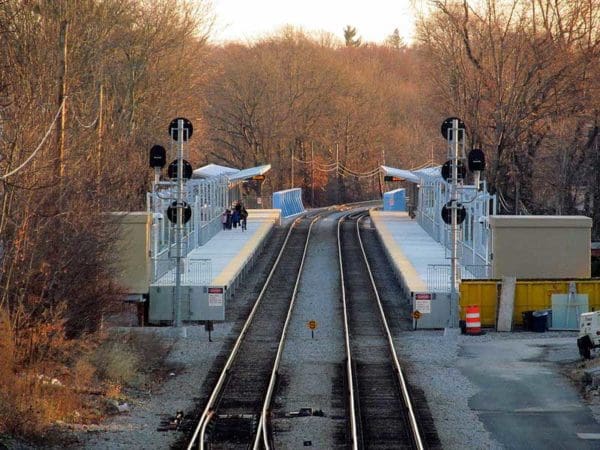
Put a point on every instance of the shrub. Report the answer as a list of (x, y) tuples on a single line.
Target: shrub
[(116, 361), (128, 359)]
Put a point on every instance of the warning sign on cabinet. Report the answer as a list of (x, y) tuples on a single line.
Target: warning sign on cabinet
[(423, 306), (215, 296)]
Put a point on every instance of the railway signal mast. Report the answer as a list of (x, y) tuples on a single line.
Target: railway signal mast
[(453, 212), (180, 130), (178, 212)]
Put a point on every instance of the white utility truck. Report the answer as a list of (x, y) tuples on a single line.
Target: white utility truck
[(589, 333)]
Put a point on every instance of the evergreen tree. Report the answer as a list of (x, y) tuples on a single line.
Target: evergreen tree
[(394, 40), (350, 37)]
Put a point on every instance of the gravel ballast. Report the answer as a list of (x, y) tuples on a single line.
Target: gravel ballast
[(429, 360), (310, 370)]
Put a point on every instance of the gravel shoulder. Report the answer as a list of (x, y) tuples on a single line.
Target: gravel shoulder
[(429, 360), (138, 428)]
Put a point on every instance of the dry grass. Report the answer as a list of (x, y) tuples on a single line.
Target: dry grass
[(34, 397), (129, 359), (117, 362)]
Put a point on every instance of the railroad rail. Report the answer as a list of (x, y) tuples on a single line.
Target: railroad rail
[(380, 409), (236, 412)]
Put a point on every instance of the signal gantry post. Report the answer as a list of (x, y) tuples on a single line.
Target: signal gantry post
[(179, 226), (180, 130), (453, 212), (453, 130), (454, 145)]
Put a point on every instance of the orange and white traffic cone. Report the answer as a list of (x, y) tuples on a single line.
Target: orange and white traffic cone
[(473, 322)]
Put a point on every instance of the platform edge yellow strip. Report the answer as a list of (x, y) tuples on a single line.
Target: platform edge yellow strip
[(399, 259), (240, 259)]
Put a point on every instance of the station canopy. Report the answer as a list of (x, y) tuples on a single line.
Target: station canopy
[(247, 174), (401, 173), (214, 170), (415, 175), (432, 172)]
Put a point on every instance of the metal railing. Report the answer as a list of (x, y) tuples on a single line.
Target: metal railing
[(207, 198), (208, 229), (474, 234), (164, 262), (197, 272), (438, 275)]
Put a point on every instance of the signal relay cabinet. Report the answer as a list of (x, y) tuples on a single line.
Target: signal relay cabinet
[(434, 308), (196, 304)]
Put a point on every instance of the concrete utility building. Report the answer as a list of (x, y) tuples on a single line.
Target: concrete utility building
[(541, 246)]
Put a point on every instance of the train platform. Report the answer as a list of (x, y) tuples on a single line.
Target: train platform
[(410, 249), (227, 253), (232, 250), (212, 272)]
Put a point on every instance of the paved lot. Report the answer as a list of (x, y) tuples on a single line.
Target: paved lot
[(501, 390), (523, 400)]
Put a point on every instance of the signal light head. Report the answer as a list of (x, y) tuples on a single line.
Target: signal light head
[(158, 156)]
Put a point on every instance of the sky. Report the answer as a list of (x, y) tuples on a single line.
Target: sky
[(244, 20)]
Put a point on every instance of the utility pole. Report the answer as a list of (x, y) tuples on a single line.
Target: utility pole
[(292, 187), (337, 171), (99, 144), (62, 92), (312, 174)]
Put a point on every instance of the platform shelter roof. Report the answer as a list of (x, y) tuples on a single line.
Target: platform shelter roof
[(402, 173), (414, 176), (433, 172), (249, 173), (213, 170)]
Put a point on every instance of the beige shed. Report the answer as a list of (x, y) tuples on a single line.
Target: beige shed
[(541, 246)]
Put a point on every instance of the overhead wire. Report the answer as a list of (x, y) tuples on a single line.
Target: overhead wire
[(311, 162), (425, 165), (502, 200), (326, 170), (24, 163), (340, 168), (354, 172), (75, 115), (86, 126), (303, 161), (345, 171)]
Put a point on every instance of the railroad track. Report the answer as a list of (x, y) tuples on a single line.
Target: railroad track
[(236, 412), (380, 413)]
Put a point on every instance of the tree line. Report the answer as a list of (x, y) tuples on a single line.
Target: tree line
[(524, 76), (86, 87)]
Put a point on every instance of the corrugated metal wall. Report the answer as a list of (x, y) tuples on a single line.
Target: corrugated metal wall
[(394, 200), (289, 202), (529, 295)]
